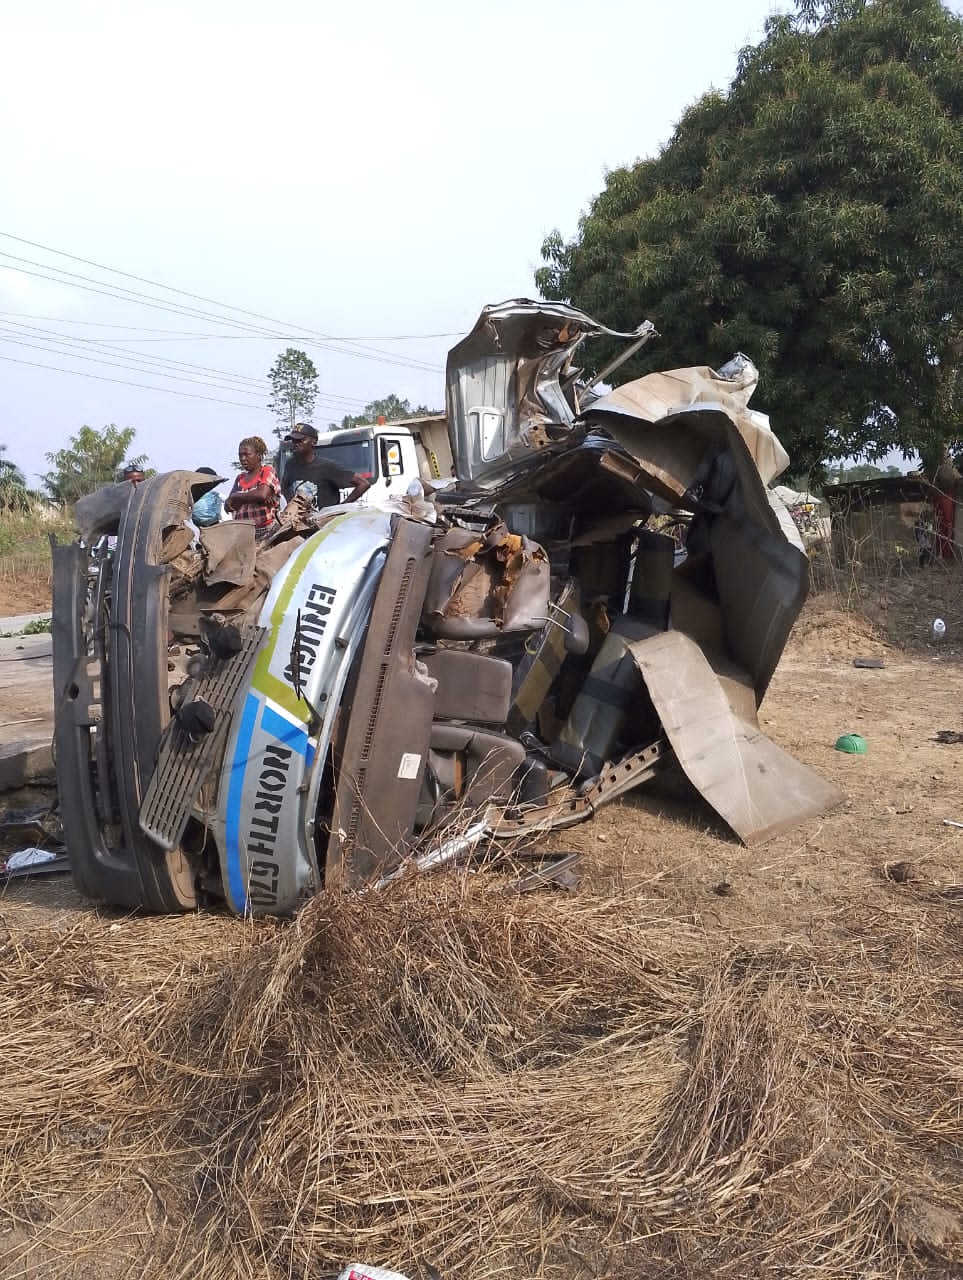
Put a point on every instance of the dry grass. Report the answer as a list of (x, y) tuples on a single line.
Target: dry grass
[(25, 541), (550, 1086), (895, 604), (25, 567), (880, 582)]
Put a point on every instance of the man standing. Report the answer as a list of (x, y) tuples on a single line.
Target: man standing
[(328, 477)]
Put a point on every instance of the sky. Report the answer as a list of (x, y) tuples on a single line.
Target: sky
[(354, 180)]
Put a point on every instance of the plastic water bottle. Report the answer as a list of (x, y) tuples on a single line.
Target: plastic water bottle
[(938, 630)]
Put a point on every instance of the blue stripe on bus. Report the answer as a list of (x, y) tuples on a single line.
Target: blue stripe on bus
[(235, 877), (292, 735)]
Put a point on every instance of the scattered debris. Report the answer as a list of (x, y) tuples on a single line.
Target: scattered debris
[(556, 873), (33, 862), (38, 826), (948, 737), (899, 872), (362, 1271), (870, 664), (852, 743)]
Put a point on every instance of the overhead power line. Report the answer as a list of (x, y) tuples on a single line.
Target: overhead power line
[(71, 278), (349, 347), (224, 337), (124, 382), (64, 344), (93, 344), (82, 373), (60, 350), (144, 301)]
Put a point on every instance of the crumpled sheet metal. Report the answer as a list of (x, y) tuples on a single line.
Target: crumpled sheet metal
[(755, 786), (663, 395), (759, 577), (761, 583), (504, 393), (229, 552)]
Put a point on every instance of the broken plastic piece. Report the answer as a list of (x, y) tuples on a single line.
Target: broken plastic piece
[(361, 1271), (852, 744)]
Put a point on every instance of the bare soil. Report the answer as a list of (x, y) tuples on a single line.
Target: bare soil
[(886, 854), (20, 595), (897, 794)]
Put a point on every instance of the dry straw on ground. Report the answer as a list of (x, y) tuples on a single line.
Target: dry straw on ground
[(498, 1086)]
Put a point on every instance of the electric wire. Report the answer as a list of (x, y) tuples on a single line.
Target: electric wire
[(124, 382), (223, 337), (65, 277), (244, 381), (358, 352), (330, 404), (157, 284), (144, 363), (254, 385), (186, 373)]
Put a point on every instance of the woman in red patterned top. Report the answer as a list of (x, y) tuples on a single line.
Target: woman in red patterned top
[(257, 491)]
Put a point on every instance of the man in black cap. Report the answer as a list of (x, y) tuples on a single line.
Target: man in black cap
[(328, 477)]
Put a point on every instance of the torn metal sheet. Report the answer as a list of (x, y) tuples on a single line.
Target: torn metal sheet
[(505, 395), (228, 550), (664, 395), (755, 786)]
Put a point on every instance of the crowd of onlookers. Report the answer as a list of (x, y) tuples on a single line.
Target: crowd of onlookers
[(257, 493)]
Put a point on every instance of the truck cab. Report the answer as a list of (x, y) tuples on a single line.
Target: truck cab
[(388, 454)]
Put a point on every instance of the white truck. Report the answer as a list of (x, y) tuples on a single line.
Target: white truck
[(390, 454)]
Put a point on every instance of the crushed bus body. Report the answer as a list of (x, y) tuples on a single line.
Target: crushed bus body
[(246, 722)]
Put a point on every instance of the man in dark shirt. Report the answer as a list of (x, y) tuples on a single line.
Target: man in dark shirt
[(328, 477)]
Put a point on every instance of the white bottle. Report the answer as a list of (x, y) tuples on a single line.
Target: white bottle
[(938, 630)]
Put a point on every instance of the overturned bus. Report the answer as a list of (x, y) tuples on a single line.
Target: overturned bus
[(245, 722)]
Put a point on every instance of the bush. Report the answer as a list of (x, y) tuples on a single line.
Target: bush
[(25, 541)]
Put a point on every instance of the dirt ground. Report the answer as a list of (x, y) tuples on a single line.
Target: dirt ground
[(20, 595), (888, 851)]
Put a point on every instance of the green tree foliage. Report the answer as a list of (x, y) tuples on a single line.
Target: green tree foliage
[(294, 389), (14, 494), (91, 458), (862, 471), (812, 216), (391, 408)]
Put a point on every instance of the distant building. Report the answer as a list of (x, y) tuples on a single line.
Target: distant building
[(893, 519)]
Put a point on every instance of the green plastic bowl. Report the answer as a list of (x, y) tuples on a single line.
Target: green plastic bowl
[(852, 744)]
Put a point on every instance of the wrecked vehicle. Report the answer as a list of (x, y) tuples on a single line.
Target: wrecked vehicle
[(246, 722)]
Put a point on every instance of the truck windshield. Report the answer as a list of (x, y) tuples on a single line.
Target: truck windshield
[(357, 456)]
